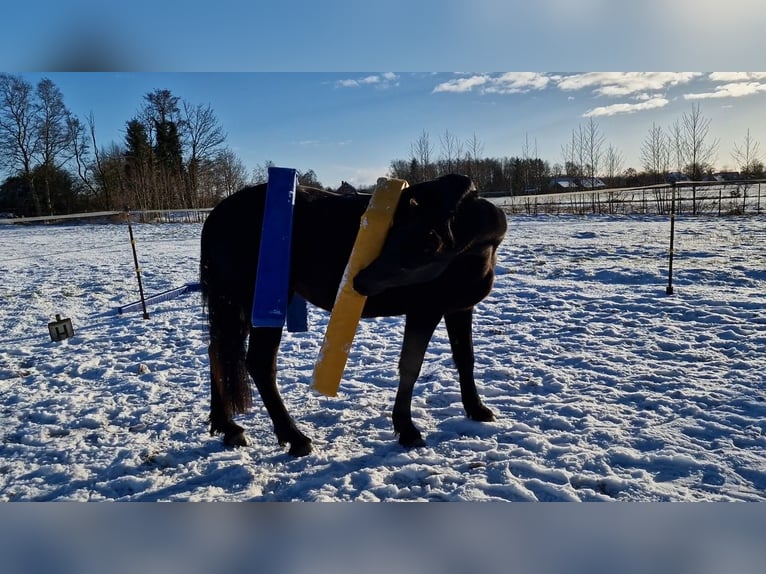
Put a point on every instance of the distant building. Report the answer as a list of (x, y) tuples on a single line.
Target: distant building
[(576, 183), (346, 187), (591, 183), (726, 176), (676, 177), (563, 184)]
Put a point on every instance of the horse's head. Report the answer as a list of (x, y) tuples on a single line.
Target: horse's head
[(423, 238)]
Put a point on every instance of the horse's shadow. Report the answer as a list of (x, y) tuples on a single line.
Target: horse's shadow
[(312, 474)]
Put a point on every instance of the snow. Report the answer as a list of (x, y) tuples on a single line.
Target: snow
[(604, 387)]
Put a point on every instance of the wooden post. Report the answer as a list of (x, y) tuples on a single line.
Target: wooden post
[(135, 262), (669, 289)]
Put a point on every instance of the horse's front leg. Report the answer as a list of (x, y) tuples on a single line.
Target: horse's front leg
[(460, 331), (418, 329), (262, 365)]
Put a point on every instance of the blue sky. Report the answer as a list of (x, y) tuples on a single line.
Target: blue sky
[(307, 35), (349, 126)]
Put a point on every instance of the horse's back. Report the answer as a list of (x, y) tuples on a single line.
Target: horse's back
[(324, 227)]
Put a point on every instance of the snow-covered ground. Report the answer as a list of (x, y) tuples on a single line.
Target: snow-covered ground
[(604, 387)]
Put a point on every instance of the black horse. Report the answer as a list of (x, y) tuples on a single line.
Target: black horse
[(438, 261)]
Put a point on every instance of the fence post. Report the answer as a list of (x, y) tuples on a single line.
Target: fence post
[(135, 262), (669, 288), (720, 199)]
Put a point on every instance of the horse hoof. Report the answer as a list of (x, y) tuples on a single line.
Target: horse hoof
[(300, 448), (235, 439), (481, 414), (411, 440)]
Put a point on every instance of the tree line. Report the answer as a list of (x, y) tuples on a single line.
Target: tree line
[(684, 147), (174, 156)]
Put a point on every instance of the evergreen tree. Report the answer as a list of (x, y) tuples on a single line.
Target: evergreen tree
[(139, 165)]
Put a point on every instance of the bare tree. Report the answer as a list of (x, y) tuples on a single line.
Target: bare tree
[(474, 150), (451, 150), (230, 175), (654, 153), (80, 151), (19, 140), (89, 161), (527, 158), (102, 178), (422, 150), (580, 149), (568, 155), (592, 144), (55, 128), (613, 161), (574, 154), (261, 172), (52, 124), (747, 155), (675, 140), (203, 137), (698, 153)]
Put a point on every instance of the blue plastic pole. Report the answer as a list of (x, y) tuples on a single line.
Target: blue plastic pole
[(273, 274)]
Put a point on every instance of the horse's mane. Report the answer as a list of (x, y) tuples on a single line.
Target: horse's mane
[(315, 194)]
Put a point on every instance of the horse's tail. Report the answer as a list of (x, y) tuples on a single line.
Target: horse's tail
[(230, 392)]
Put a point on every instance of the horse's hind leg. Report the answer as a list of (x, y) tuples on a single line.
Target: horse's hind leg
[(262, 364), (418, 329), (459, 329), (229, 385), (221, 413)]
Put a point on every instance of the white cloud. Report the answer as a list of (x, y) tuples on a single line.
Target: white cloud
[(615, 109), (384, 80), (459, 85), (732, 90), (518, 82), (506, 83), (737, 76), (322, 142), (624, 83), (645, 90), (610, 84)]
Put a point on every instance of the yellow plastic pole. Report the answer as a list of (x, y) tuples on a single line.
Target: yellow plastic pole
[(348, 306)]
